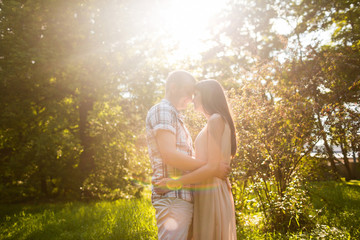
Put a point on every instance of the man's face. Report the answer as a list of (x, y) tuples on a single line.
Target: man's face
[(185, 96), (197, 101)]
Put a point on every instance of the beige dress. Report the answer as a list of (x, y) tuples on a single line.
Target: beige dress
[(214, 212)]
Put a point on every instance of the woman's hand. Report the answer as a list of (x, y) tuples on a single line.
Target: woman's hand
[(223, 170), (228, 184)]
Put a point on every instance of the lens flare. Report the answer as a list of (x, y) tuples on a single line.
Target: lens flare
[(171, 224)]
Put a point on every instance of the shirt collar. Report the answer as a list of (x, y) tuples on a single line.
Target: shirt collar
[(170, 104), (178, 114)]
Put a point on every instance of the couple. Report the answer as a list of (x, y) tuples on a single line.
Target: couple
[(192, 194)]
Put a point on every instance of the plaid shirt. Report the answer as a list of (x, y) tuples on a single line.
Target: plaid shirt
[(165, 116)]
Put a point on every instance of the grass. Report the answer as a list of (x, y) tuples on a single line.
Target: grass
[(122, 219), (353, 183), (337, 217), (339, 205)]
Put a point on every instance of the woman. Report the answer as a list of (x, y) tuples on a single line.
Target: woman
[(214, 214)]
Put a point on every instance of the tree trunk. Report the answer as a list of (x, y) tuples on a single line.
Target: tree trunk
[(353, 148), (328, 148), (43, 186), (346, 160), (86, 163)]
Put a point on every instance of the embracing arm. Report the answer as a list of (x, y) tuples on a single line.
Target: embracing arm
[(215, 127), (167, 146)]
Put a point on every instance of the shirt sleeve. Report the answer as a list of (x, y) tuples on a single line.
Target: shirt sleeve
[(163, 118)]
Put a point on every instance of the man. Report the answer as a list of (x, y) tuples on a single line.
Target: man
[(172, 155)]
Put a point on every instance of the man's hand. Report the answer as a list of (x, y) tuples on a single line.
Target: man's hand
[(223, 171), (161, 186)]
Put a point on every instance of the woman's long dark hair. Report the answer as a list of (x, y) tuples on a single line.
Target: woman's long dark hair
[(214, 101)]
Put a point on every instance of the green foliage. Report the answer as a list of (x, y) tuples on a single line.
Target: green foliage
[(274, 135)]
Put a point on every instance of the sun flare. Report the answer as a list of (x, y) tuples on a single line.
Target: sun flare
[(186, 23)]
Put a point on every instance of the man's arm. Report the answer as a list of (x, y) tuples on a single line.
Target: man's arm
[(166, 141)]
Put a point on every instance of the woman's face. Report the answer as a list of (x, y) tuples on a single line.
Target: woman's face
[(197, 101)]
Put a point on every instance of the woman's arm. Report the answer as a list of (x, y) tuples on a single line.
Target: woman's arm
[(215, 128)]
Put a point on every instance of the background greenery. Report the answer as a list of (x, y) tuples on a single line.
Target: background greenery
[(336, 216), (77, 79)]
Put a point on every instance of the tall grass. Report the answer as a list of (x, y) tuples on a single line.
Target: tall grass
[(122, 219)]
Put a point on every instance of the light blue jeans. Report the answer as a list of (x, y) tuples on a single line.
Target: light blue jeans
[(173, 217)]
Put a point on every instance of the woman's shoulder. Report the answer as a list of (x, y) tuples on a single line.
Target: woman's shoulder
[(216, 118), (216, 122)]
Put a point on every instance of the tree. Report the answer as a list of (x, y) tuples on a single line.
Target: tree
[(333, 72), (68, 125), (279, 106)]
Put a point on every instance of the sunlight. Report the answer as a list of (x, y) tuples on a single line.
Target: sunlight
[(281, 26), (186, 23), (171, 224)]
